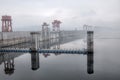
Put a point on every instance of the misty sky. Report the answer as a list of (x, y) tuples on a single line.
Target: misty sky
[(30, 14)]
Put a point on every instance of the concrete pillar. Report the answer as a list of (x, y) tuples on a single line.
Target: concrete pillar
[(11, 25), (5, 27), (1, 34), (43, 33), (34, 61), (34, 41), (90, 54), (90, 41), (2, 25)]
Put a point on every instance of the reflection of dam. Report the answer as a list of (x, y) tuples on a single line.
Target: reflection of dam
[(8, 56), (89, 53), (8, 60), (35, 63)]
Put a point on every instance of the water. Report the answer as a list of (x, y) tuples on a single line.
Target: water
[(68, 66)]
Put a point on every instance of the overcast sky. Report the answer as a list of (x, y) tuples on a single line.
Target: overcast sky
[(30, 14)]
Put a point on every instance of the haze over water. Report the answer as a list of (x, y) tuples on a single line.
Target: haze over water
[(70, 66), (29, 15)]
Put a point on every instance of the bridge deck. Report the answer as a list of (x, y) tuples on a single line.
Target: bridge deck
[(26, 50)]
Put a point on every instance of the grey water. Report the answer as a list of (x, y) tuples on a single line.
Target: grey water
[(27, 66)]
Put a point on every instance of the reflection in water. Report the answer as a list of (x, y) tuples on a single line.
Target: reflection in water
[(46, 55), (9, 66), (90, 63), (57, 46), (34, 61), (45, 44), (90, 56), (8, 60), (50, 44)]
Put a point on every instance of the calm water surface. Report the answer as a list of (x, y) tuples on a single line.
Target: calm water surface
[(106, 63)]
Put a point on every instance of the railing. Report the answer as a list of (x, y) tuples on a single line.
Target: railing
[(62, 51)]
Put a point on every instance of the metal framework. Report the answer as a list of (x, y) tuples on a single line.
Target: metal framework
[(56, 25), (6, 23)]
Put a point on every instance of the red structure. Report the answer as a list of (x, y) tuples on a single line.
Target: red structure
[(56, 25), (6, 23)]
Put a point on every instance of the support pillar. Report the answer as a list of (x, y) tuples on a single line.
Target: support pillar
[(35, 41), (90, 54), (34, 61), (90, 41)]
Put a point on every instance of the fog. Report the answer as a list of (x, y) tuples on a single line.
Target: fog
[(30, 14)]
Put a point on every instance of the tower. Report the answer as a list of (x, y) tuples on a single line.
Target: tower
[(56, 25), (45, 31), (6, 23)]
